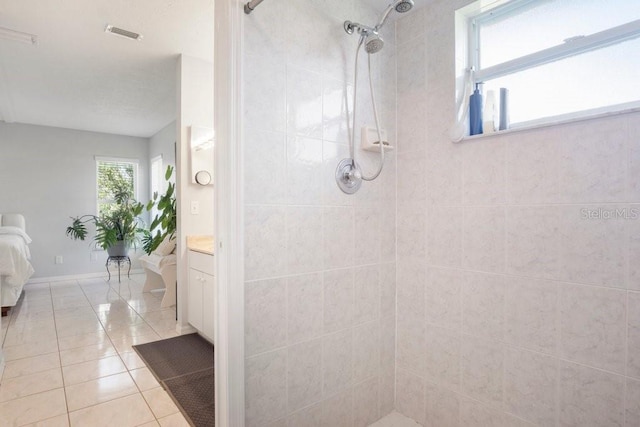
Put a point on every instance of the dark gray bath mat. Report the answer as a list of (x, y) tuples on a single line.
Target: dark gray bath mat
[(184, 367)]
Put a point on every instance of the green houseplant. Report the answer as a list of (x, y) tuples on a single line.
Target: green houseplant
[(116, 228), (164, 223)]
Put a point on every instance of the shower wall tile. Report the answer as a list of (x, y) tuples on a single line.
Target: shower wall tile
[(632, 402), (304, 102), (444, 236), (410, 395), (304, 171), (530, 386), (411, 236), (412, 190), (483, 297), (265, 154), (590, 397), (592, 326), (482, 369), (484, 239), (633, 331), (444, 175), (305, 239), (442, 407), (533, 241), (265, 315), (633, 239), (305, 308), (475, 414), (319, 264), (337, 362), (365, 403), (413, 26), (443, 351), (304, 374), (484, 172), (264, 242), (444, 297), (266, 388), (532, 314)]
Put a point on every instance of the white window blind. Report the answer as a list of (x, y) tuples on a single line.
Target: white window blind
[(114, 175)]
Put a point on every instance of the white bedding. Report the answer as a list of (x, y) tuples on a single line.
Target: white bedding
[(15, 268)]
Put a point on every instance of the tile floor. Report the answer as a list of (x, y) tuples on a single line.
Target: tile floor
[(395, 419), (69, 360)]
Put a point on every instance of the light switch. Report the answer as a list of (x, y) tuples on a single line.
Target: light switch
[(195, 207)]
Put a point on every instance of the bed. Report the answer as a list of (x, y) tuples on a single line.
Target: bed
[(15, 268)]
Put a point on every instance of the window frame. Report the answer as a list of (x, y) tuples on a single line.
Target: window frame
[(468, 22), (136, 171)]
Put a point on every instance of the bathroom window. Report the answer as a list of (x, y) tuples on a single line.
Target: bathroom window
[(557, 58)]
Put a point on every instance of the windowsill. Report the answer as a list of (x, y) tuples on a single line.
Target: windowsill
[(553, 121)]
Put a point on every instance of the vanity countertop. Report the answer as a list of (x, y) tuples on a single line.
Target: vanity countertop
[(203, 244)]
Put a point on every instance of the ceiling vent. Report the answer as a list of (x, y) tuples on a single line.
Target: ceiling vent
[(123, 33)]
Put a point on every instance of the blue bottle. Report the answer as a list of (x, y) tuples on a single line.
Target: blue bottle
[(475, 112)]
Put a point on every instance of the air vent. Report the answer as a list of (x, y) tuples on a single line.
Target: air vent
[(123, 33)]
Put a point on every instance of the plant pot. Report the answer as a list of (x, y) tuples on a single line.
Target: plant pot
[(121, 248)]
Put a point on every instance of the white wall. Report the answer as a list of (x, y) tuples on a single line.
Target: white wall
[(319, 265), (512, 308), (49, 175), (195, 107), (164, 143)]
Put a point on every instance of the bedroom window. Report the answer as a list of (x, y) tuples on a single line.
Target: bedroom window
[(557, 58), (114, 175)]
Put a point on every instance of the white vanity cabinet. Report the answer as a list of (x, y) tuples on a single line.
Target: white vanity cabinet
[(201, 301)]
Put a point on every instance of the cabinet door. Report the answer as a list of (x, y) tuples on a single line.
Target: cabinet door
[(196, 283), (209, 307)]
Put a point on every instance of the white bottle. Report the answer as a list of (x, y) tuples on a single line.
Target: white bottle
[(489, 124)]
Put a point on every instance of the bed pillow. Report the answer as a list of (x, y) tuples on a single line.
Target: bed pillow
[(167, 246), (16, 231)]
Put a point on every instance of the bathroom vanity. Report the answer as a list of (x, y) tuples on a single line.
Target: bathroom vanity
[(201, 289)]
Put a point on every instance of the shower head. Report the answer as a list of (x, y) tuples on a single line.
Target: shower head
[(400, 6), (373, 43)]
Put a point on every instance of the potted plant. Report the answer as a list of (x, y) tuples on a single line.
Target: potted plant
[(117, 229), (164, 222)]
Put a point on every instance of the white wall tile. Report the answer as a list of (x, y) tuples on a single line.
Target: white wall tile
[(593, 163), (310, 416), (264, 155), (531, 314), (411, 236), (305, 238), (304, 374), (589, 397), (304, 102), (332, 154), (387, 289), (444, 236), (366, 351), (339, 236), (590, 249), (482, 369), (410, 26), (475, 414), (337, 96), (484, 172), (265, 253), (412, 183), (305, 307), (266, 388), (338, 300), (592, 325), (633, 331), (533, 241), (338, 410), (337, 361), (304, 171), (442, 365), (365, 403), (444, 173), (483, 297), (442, 407), (410, 396), (633, 237), (444, 297), (264, 104), (530, 386), (632, 405), (484, 239), (367, 235), (366, 294), (265, 315)]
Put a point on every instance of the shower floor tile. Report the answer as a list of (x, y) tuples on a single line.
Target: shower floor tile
[(395, 419)]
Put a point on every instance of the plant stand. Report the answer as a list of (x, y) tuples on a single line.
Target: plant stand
[(118, 260)]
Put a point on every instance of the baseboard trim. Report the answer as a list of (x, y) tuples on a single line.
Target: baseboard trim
[(77, 276), (185, 329)]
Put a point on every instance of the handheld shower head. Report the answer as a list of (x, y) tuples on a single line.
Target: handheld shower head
[(373, 43), (403, 6), (400, 6)]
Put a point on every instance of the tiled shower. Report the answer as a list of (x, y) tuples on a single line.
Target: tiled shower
[(465, 286)]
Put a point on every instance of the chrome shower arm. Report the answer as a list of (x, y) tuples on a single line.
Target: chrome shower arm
[(248, 8), (384, 16)]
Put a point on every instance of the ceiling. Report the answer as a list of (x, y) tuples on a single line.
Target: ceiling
[(79, 77)]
